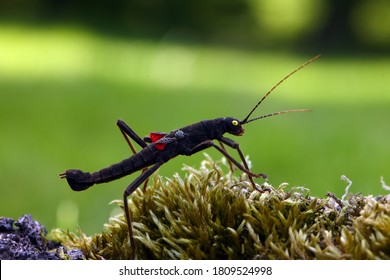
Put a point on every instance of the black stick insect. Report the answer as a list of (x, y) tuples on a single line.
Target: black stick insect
[(158, 148)]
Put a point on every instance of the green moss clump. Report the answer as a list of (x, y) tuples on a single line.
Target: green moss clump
[(210, 214)]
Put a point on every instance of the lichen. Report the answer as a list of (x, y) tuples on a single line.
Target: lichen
[(211, 214), (26, 239)]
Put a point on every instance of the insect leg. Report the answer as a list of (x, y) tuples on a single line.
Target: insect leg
[(209, 143), (231, 166), (128, 191), (128, 132), (236, 146)]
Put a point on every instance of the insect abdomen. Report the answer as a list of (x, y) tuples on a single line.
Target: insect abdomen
[(125, 167), (79, 180)]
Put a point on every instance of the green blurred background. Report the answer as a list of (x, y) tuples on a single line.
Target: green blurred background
[(70, 69)]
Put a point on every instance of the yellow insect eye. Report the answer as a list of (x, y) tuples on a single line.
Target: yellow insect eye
[(235, 123)]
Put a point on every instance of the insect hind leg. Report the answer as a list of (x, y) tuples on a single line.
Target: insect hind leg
[(128, 132), (129, 190)]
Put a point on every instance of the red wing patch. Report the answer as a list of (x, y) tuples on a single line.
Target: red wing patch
[(155, 136), (160, 146)]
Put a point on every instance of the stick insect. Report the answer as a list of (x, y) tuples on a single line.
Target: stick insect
[(158, 148)]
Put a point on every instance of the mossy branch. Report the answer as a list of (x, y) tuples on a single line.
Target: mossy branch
[(211, 214)]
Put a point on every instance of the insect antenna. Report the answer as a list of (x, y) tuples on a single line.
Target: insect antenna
[(278, 113), (272, 89)]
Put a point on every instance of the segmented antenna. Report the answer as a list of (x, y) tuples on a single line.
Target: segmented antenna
[(272, 89), (278, 113)]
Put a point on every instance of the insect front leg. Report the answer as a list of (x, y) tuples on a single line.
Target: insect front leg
[(231, 166), (232, 144), (236, 146), (209, 143), (129, 190)]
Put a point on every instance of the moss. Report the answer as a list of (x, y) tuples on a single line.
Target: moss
[(211, 214)]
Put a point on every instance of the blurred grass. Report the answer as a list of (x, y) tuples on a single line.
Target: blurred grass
[(62, 90)]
